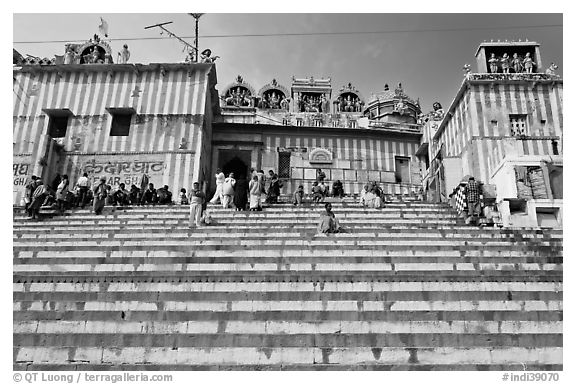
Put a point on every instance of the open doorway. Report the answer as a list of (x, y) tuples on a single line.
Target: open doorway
[(237, 161)]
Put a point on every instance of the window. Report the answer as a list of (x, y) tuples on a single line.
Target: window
[(57, 126), (284, 165), (555, 147), (285, 121), (120, 124), (518, 125)]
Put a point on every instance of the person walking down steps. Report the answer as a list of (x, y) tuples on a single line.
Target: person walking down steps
[(196, 202), (218, 195)]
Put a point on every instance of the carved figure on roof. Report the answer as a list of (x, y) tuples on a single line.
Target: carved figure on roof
[(551, 70), (341, 104), (400, 107), (466, 68), (323, 103), (528, 63), (274, 101), (124, 55), (516, 63), (505, 63), (399, 91), (285, 103), (70, 55), (96, 57), (206, 56), (493, 62), (386, 87), (438, 113)]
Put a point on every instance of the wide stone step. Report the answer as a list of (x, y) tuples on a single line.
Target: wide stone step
[(301, 305), (74, 311), (327, 286), (445, 230), (160, 261), (22, 236), (29, 268), (288, 276), (207, 339), (78, 251), (317, 366), (272, 328), (237, 356), (50, 299)]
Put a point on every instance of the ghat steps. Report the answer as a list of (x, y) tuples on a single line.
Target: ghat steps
[(407, 287)]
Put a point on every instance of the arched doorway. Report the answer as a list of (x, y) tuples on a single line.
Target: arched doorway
[(236, 161)]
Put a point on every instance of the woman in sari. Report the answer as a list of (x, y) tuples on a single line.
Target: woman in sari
[(274, 190), (328, 221), (241, 194), (100, 193), (255, 194), (62, 193)]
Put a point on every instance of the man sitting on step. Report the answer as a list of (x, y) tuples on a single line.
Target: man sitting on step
[(328, 221), (337, 189), (298, 196)]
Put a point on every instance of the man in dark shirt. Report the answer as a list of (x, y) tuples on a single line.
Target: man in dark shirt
[(149, 195), (472, 192)]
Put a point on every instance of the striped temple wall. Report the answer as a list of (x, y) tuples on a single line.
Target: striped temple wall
[(169, 103), (357, 157), (479, 129)]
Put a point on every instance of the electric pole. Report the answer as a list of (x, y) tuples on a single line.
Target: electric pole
[(196, 17)]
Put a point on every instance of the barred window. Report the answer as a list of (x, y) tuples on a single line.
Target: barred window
[(518, 125), (284, 165)]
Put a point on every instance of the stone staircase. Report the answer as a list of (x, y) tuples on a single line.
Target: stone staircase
[(407, 287)]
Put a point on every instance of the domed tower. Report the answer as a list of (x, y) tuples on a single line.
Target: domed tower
[(392, 106)]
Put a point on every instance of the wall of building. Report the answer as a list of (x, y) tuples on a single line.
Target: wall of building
[(169, 104), (357, 156), (481, 122)]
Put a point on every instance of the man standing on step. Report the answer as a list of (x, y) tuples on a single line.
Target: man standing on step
[(83, 185), (196, 202), (472, 192)]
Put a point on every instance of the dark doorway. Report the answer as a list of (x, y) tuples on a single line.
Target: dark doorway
[(402, 173), (236, 161)]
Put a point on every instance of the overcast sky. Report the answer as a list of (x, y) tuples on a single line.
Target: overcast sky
[(427, 63)]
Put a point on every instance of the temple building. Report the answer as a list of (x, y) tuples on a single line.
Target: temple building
[(504, 127), (296, 130), (81, 112)]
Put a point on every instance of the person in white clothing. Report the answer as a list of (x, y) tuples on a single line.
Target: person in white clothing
[(196, 202), (228, 190), (219, 183)]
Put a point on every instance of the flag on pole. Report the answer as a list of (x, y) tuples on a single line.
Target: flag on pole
[(103, 27)]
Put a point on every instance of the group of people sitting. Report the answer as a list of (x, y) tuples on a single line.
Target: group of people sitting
[(372, 195), (242, 194), (59, 196)]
